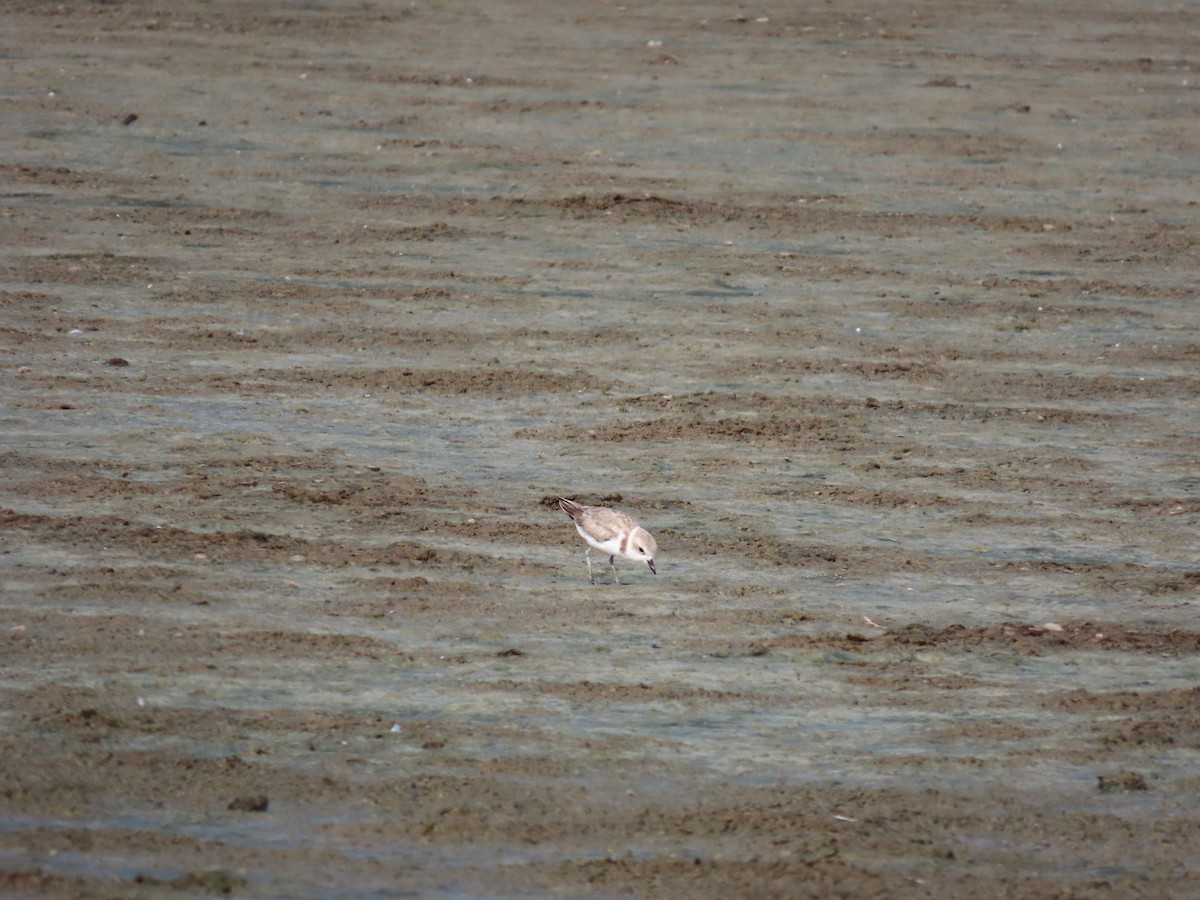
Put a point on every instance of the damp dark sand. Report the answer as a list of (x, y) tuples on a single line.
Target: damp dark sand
[(883, 319)]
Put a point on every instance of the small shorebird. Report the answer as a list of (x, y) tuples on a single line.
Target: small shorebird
[(610, 532)]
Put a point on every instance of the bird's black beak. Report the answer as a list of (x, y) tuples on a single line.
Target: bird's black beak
[(650, 563)]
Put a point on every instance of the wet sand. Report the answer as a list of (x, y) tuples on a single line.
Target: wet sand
[(882, 320)]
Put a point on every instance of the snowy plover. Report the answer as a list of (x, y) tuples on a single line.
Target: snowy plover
[(610, 532)]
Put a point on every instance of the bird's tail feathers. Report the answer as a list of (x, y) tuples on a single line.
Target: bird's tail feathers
[(570, 507)]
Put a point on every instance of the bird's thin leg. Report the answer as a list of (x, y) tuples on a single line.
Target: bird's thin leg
[(588, 557), (612, 561)]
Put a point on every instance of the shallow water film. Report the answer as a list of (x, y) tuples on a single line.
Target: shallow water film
[(882, 319)]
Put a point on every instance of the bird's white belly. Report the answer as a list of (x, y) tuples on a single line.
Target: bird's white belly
[(612, 546)]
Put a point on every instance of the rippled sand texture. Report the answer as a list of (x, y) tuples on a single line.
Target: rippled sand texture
[(883, 319)]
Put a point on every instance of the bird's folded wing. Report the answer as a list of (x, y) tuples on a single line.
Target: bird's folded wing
[(605, 524)]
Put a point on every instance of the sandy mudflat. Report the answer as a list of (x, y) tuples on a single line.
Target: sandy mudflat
[(882, 318)]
